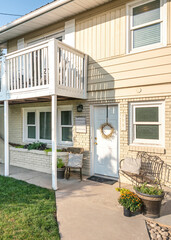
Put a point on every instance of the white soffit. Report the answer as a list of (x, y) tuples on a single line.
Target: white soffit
[(46, 15)]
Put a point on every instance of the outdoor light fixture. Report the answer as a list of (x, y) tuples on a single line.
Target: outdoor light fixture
[(80, 108)]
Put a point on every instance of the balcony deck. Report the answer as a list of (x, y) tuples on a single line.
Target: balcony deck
[(45, 69)]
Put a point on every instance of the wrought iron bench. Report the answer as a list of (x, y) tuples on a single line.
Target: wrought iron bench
[(150, 170)]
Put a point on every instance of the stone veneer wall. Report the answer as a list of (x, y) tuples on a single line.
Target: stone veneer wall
[(34, 160)]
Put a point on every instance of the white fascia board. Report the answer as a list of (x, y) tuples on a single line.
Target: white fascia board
[(34, 14)]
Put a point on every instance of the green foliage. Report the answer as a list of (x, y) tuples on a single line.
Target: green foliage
[(20, 146), (50, 150), (27, 212), (148, 189), (60, 163), (36, 146), (129, 200)]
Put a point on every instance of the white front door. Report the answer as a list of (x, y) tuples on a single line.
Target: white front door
[(106, 150)]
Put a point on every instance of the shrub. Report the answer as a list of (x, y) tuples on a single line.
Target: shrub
[(60, 163), (129, 200), (36, 146), (148, 189)]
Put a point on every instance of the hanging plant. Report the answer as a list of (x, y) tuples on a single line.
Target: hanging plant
[(106, 136)]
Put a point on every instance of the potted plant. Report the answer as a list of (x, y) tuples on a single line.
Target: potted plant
[(130, 201), (151, 197), (60, 169)]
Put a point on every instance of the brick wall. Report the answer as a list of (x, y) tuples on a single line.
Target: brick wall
[(34, 160), (80, 139), (83, 140)]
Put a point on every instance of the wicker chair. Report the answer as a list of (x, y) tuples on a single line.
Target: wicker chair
[(75, 161)]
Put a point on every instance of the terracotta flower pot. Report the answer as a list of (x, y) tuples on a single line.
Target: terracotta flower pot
[(151, 204)]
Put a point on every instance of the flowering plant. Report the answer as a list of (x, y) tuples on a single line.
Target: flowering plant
[(129, 200)]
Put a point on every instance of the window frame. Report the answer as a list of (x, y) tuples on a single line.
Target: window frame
[(30, 125), (60, 109), (130, 28), (133, 123), (37, 111), (56, 35)]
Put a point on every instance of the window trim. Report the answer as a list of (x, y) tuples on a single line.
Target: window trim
[(56, 35), (129, 28), (60, 109), (37, 111), (161, 123)]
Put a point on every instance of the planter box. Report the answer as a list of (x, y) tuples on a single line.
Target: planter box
[(34, 159)]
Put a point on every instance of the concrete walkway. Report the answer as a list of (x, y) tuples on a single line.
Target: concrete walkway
[(89, 211)]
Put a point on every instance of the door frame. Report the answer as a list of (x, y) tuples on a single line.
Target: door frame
[(92, 152)]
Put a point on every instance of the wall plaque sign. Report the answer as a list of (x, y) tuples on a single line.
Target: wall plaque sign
[(80, 125)]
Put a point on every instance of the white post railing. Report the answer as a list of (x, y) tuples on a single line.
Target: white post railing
[(71, 69), (28, 68), (50, 64), (52, 53)]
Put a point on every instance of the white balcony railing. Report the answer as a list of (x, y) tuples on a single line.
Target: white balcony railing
[(52, 65)]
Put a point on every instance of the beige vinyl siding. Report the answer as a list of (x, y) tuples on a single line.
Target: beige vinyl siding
[(96, 28), (169, 21), (40, 33), (133, 75), (103, 35)]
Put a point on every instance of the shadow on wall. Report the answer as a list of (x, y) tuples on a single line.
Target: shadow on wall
[(100, 82), (1, 134), (166, 174)]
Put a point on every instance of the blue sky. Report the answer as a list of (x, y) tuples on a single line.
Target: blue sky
[(20, 7)]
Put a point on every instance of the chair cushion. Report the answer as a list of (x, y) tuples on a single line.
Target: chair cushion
[(131, 165), (75, 160)]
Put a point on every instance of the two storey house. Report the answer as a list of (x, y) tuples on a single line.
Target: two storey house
[(90, 74)]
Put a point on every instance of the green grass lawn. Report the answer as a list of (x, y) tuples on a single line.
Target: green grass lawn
[(26, 211)]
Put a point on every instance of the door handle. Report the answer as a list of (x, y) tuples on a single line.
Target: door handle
[(95, 143)]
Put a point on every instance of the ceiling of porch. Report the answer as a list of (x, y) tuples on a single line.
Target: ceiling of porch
[(37, 100)]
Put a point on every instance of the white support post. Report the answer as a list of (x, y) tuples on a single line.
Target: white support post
[(6, 138), (85, 76), (3, 86), (52, 53), (54, 142)]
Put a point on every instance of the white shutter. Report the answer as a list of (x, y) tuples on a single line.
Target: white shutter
[(70, 33), (20, 43)]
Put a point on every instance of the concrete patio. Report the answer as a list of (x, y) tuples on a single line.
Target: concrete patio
[(89, 210)]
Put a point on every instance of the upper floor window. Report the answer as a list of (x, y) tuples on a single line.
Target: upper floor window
[(146, 25)]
